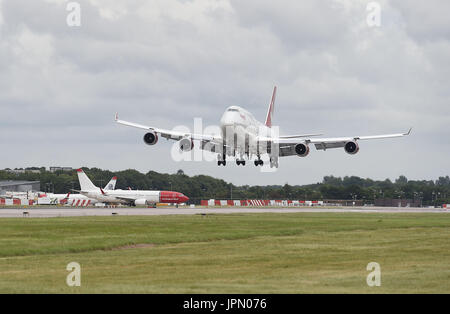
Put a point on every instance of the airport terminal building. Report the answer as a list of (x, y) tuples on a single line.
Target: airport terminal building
[(19, 186)]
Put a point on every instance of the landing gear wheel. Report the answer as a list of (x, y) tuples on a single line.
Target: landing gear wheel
[(240, 162), (259, 162), (221, 160)]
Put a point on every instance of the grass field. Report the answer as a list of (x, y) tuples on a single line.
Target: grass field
[(245, 253)]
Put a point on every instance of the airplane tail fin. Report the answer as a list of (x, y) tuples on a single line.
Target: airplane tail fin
[(271, 109), (111, 184), (85, 183)]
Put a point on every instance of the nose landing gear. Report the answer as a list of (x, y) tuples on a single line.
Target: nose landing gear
[(273, 162)]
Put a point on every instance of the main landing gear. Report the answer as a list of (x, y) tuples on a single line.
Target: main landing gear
[(240, 162), (221, 160), (258, 162)]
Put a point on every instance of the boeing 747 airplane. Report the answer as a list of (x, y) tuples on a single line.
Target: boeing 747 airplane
[(244, 137)]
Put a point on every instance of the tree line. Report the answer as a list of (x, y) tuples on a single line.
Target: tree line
[(429, 192)]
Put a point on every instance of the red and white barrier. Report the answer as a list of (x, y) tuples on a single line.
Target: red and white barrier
[(260, 203), (42, 201), (16, 201), (79, 203)]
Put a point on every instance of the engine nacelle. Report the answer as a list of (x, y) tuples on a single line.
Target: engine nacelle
[(351, 147), (302, 150), (186, 144), (140, 201), (151, 138)]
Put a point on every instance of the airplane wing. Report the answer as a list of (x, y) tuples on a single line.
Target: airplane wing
[(122, 198), (171, 134), (325, 143), (287, 145), (126, 199), (119, 197)]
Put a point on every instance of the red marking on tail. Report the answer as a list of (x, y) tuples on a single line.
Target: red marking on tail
[(271, 109)]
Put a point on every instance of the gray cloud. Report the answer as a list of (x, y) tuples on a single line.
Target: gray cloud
[(165, 62)]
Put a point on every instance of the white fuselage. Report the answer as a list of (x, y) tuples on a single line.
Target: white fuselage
[(240, 130), (123, 196)]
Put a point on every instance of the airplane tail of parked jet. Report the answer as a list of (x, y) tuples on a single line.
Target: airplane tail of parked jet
[(85, 183), (111, 184)]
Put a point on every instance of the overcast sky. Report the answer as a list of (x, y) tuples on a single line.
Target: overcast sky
[(164, 63)]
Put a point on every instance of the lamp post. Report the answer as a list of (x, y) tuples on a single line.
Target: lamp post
[(353, 196), (49, 187), (414, 198)]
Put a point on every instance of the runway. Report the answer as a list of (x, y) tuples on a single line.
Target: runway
[(129, 211)]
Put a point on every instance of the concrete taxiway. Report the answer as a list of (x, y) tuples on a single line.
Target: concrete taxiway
[(130, 211)]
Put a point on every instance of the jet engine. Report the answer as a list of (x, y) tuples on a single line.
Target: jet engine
[(186, 144), (351, 147), (151, 138), (302, 150), (140, 201)]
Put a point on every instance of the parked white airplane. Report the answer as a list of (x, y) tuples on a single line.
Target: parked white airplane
[(129, 197), (244, 136), (78, 199)]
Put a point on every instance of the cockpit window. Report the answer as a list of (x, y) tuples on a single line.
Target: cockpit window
[(233, 109)]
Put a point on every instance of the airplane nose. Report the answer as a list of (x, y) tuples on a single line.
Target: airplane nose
[(183, 198)]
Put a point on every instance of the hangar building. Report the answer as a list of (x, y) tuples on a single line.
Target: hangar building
[(19, 186)]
